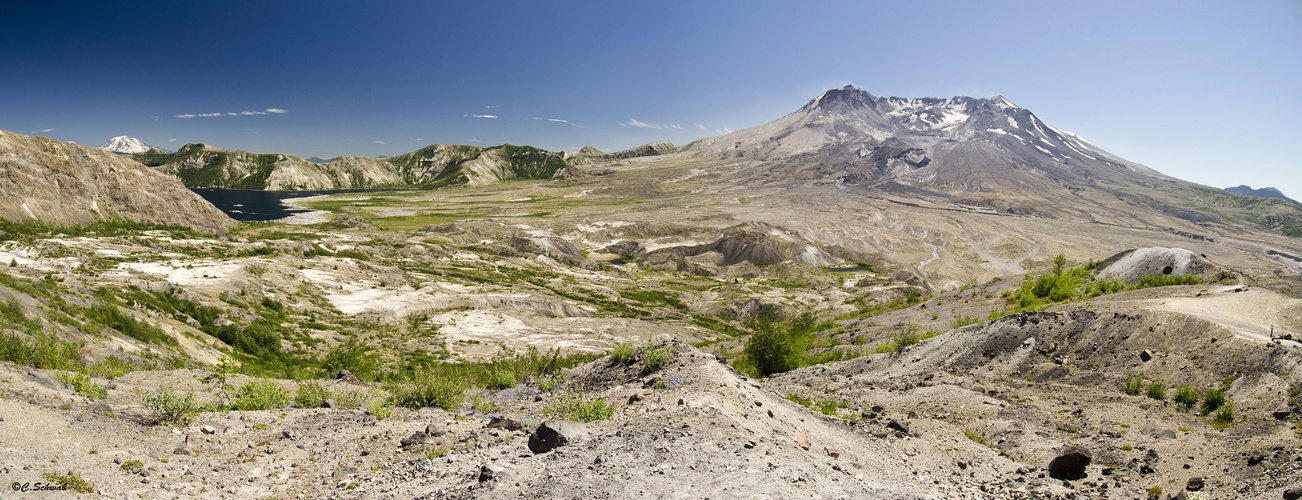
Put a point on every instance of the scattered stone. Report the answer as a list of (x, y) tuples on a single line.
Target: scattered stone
[(831, 452), (1071, 461), (1194, 484), (553, 434), (801, 439), (1293, 492), (348, 378), (1151, 456), (329, 403), (1256, 458), (1145, 355), (491, 471), (502, 423), (898, 426), (343, 471), (1282, 414), (433, 430), (180, 450), (290, 435), (213, 428), (962, 465), (1164, 434), (418, 437)]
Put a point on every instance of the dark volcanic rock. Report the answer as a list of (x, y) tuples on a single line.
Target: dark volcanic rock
[(1071, 461), (553, 434)]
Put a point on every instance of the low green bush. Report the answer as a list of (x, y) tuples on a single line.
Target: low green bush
[(573, 407), (1212, 400), (259, 395), (623, 354), (655, 358), (1156, 390), (426, 388), (1186, 395), (1134, 384), (311, 393), (172, 408), (84, 386)]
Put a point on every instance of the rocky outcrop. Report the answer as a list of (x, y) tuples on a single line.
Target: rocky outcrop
[(66, 184)]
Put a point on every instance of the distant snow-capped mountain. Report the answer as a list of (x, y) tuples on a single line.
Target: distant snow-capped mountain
[(127, 145)]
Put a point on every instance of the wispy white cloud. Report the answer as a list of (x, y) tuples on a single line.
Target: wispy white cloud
[(241, 113), (482, 116), (172, 140), (701, 127), (417, 138), (42, 131), (557, 120), (490, 107), (378, 142), (633, 122), (723, 131)]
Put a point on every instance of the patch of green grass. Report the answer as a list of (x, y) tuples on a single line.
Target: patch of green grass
[(623, 354), (380, 409), (259, 395), (976, 438), (963, 321), (427, 388), (71, 482), (132, 464), (568, 406), (311, 393)]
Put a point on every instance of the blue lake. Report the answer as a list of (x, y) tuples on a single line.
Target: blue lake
[(247, 205)]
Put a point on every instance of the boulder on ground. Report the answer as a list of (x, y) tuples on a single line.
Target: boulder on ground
[(1071, 461), (553, 434)]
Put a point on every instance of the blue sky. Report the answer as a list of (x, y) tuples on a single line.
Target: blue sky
[(1205, 91)]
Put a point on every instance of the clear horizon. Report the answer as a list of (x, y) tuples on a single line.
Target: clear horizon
[(1202, 91)]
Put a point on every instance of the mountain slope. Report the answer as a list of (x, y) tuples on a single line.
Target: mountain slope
[(975, 152), (66, 184), (201, 165), (126, 145)]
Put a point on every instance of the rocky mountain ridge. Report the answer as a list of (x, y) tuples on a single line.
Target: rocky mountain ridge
[(1266, 192), (202, 165), (64, 184)]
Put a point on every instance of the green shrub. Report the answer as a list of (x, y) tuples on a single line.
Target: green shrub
[(1212, 400), (1186, 395), (1134, 384), (549, 383), (352, 356), (82, 383), (311, 393), (351, 397), (655, 358), (778, 345), (380, 409), (573, 407), (1156, 390), (1224, 415), (259, 395), (426, 388), (172, 408), (623, 354), (132, 464), (500, 379)]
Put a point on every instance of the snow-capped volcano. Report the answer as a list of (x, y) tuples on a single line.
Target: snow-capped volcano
[(126, 145)]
